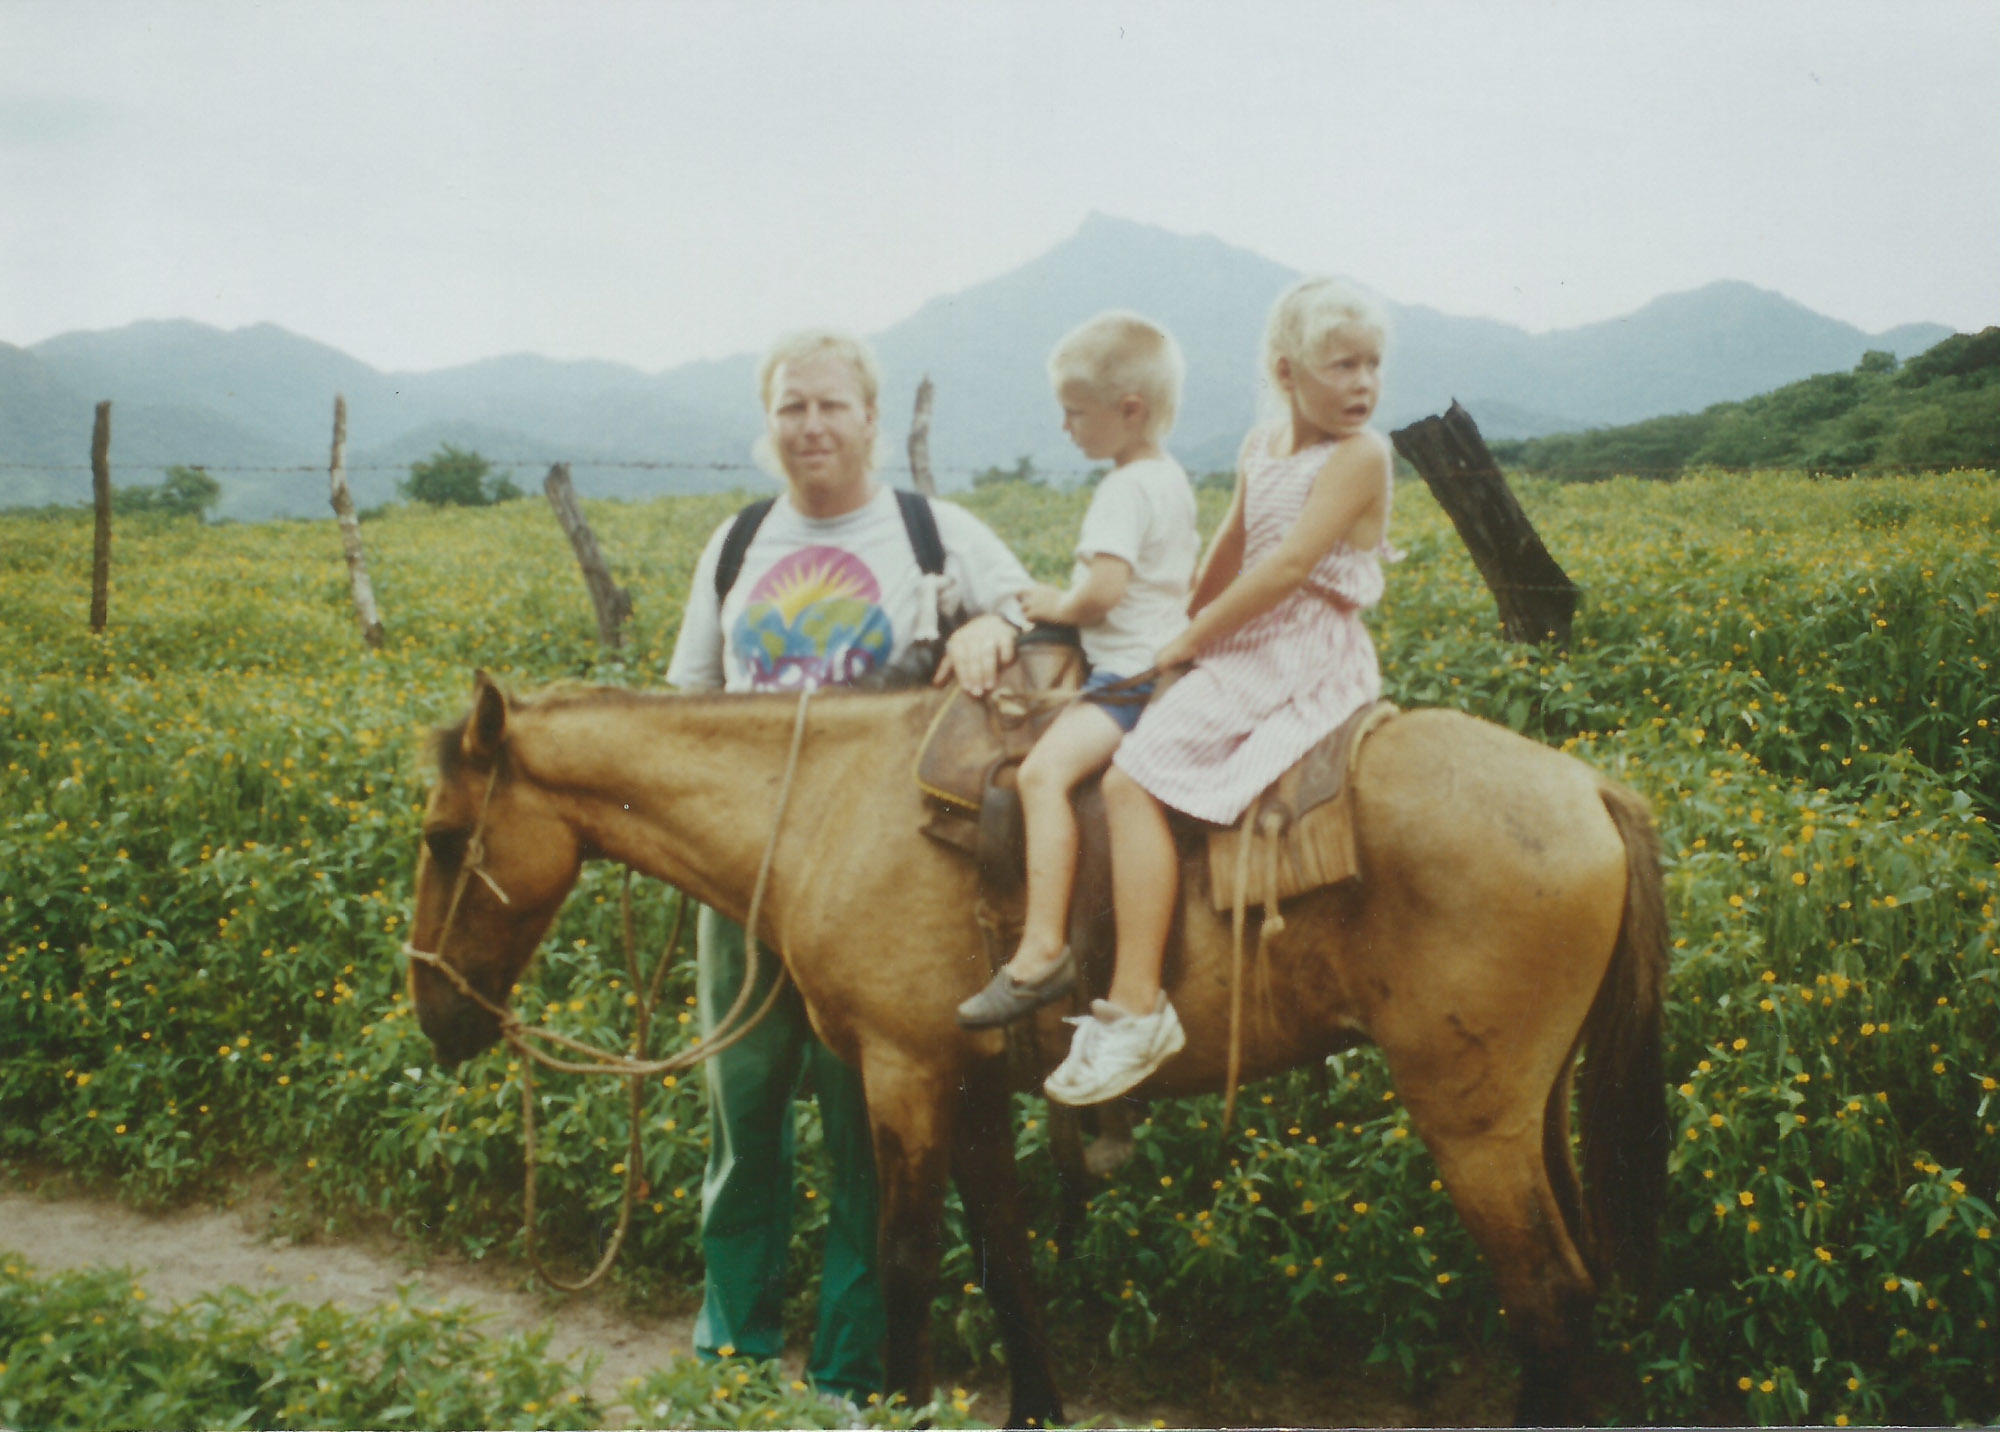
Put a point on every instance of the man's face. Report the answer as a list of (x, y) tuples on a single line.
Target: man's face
[(823, 431)]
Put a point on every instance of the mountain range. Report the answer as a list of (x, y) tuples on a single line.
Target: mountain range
[(254, 405)]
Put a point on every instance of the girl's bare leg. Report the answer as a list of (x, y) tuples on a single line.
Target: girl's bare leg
[(1077, 745), (1145, 881)]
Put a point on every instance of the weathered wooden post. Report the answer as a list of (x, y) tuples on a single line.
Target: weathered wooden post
[(613, 602), (920, 442), (1535, 596), (100, 491), (350, 531)]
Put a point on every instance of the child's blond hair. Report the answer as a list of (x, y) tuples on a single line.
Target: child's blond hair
[(1118, 353), (1308, 315)]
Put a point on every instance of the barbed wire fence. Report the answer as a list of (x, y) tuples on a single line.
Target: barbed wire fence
[(1535, 596), (1068, 474)]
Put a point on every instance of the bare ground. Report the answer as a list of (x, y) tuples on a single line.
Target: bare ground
[(181, 1254)]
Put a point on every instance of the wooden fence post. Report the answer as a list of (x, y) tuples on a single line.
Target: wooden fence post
[(613, 602), (920, 442), (100, 490), (350, 531), (1535, 596)]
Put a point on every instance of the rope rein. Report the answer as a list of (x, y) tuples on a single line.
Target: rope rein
[(1019, 705), (520, 1037)]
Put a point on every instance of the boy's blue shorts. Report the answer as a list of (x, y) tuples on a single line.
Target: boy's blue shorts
[(1125, 706)]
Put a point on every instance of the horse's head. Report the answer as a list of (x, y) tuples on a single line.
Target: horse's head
[(497, 861)]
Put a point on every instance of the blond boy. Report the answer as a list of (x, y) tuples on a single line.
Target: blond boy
[(1118, 379)]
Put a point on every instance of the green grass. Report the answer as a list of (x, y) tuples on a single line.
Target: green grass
[(208, 823)]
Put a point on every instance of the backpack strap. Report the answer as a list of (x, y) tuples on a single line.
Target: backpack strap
[(729, 562), (921, 525)]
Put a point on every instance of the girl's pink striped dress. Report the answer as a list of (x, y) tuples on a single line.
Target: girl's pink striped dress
[(1256, 701)]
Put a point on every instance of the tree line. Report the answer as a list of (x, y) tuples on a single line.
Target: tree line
[(1939, 410)]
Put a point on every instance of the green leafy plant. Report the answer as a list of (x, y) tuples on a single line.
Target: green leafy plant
[(209, 820)]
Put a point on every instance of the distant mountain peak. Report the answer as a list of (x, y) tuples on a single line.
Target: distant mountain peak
[(261, 394)]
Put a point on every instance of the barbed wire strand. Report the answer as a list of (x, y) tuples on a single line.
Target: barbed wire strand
[(687, 465)]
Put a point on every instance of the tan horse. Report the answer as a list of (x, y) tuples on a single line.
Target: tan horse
[(1509, 913)]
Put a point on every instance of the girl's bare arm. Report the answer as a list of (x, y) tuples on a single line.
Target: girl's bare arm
[(1348, 488)]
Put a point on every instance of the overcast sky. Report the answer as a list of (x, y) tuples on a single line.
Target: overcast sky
[(426, 184)]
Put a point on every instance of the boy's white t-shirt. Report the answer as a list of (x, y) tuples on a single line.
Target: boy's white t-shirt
[(1144, 513), (828, 601)]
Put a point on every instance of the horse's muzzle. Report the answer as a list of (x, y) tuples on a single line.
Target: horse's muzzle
[(456, 1026), (457, 1029)]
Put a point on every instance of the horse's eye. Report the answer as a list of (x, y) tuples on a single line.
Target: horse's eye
[(447, 846)]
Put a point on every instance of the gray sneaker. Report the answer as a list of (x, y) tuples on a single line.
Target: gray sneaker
[(1113, 1051), (1005, 999)]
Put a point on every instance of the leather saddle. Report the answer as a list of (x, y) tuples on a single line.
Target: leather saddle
[(966, 770)]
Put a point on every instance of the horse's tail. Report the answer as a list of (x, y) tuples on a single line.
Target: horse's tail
[(1623, 1090)]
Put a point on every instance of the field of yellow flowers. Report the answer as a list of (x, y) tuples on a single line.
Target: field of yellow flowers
[(208, 827)]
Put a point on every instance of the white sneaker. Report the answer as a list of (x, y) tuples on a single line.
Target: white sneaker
[(1113, 1051)]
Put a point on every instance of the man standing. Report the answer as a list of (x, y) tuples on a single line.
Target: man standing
[(832, 583)]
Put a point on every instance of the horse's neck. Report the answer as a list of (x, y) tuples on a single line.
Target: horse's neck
[(686, 788)]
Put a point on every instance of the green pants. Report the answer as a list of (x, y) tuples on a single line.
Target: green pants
[(748, 1195)]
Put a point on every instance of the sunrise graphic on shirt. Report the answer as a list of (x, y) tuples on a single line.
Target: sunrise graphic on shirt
[(814, 619)]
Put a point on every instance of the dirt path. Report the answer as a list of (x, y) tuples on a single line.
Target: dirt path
[(180, 1255)]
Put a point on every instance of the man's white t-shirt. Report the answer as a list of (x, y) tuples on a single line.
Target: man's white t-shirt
[(828, 601), (1144, 513)]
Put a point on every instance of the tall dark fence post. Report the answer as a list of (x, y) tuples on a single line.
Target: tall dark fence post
[(613, 602), (920, 442), (350, 531), (100, 489), (1536, 597)]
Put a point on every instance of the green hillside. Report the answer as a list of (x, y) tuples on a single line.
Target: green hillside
[(1939, 410)]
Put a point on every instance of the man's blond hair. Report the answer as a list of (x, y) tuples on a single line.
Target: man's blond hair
[(810, 342), (1118, 353)]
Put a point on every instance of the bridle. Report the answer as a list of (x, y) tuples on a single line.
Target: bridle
[(521, 1037)]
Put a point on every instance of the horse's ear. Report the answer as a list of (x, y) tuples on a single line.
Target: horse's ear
[(488, 726)]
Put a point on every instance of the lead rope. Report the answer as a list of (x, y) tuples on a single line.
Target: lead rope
[(642, 1026), (519, 1035)]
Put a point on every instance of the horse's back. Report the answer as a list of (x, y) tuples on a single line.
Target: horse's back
[(1440, 787)]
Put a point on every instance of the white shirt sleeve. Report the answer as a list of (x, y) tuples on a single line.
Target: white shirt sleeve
[(697, 660), (1115, 523), (978, 562)]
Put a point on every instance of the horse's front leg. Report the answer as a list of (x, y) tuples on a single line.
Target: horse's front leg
[(909, 1108), (982, 1156)]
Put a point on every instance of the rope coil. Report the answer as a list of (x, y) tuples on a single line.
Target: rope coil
[(520, 1037)]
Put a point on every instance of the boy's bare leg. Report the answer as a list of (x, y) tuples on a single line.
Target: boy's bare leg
[(1079, 744), (1145, 881)]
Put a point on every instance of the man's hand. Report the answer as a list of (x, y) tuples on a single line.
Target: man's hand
[(975, 654)]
